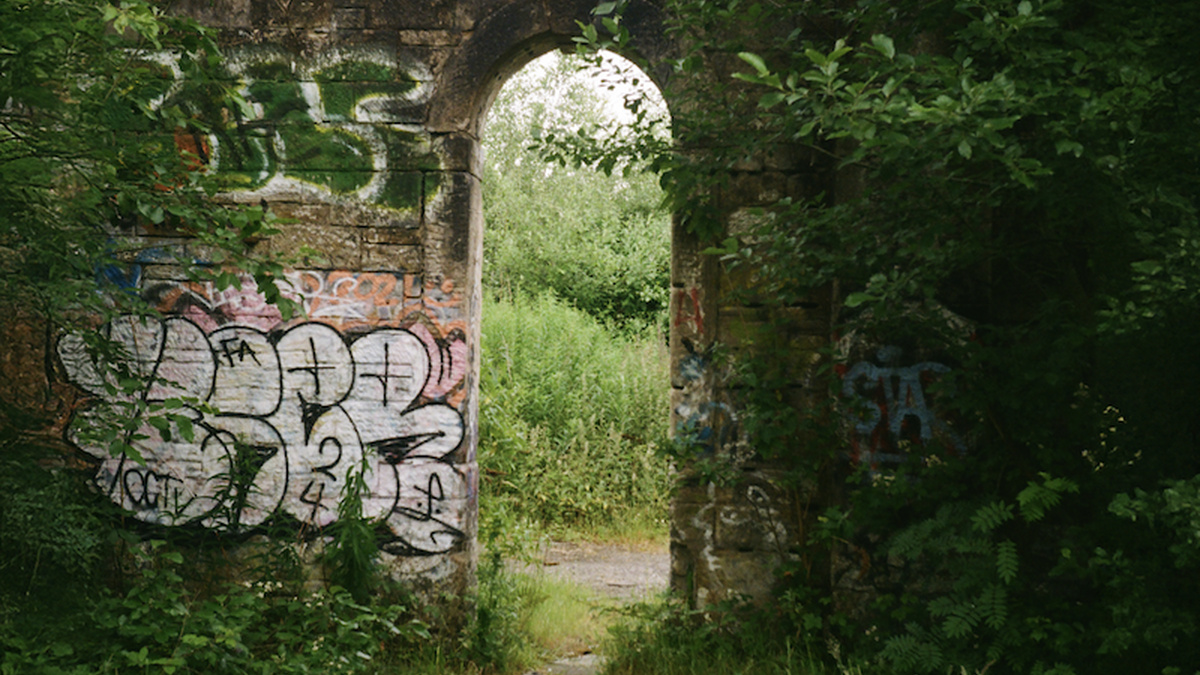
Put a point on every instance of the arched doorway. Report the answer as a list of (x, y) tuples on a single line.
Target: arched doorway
[(574, 374)]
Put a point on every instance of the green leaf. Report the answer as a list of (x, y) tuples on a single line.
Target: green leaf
[(772, 99), (991, 516), (884, 45), (1066, 145), (756, 62), (1007, 562), (1147, 267), (856, 299), (186, 430)]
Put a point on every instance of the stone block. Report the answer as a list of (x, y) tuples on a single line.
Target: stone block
[(429, 38), (692, 523), (349, 18), (373, 217), (424, 15), (565, 13), (692, 315), (459, 152), (692, 365), (690, 266), (756, 188), (452, 219), (337, 247), (296, 14), (215, 13), (790, 159), (401, 192), (743, 327), (390, 257), (392, 236), (410, 148), (749, 574), (753, 526), (302, 213)]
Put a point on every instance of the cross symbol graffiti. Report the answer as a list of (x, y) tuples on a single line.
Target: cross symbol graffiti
[(387, 375), (314, 369)]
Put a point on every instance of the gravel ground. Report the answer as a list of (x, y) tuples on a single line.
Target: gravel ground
[(622, 572)]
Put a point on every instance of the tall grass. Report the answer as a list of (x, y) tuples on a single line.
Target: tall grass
[(571, 416)]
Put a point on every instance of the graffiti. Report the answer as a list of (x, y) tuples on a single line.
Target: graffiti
[(347, 301), (890, 410), (710, 426), (688, 311), (274, 418), (343, 126)]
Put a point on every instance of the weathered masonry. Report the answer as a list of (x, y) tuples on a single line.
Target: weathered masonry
[(367, 138)]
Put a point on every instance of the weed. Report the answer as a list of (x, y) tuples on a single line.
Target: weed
[(663, 637), (572, 419)]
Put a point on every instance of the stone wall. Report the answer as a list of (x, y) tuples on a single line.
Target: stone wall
[(364, 137)]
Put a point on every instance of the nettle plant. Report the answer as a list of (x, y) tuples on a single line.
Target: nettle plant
[(1018, 193)]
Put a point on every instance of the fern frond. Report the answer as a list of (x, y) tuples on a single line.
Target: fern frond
[(993, 604), (1007, 562), (991, 516)]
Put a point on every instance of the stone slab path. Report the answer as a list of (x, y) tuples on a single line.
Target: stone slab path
[(622, 572)]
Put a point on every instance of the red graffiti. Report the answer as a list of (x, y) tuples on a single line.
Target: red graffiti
[(688, 309)]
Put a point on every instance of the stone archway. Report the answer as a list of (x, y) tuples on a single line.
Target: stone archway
[(366, 139)]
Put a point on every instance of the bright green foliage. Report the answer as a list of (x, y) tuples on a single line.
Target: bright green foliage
[(574, 381), (570, 419), (596, 240), (1017, 190)]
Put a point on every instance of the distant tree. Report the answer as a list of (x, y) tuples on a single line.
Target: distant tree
[(595, 237)]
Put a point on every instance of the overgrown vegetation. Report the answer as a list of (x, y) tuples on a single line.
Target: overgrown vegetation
[(572, 416), (574, 368), (666, 638), (80, 593), (1016, 193), (596, 241)]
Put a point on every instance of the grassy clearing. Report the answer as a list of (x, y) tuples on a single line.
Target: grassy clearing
[(565, 618)]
